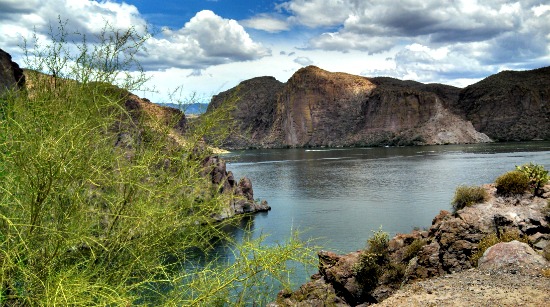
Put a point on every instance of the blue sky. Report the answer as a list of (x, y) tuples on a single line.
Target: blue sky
[(206, 46)]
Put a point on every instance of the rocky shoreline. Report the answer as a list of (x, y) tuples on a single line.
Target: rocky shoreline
[(446, 250)]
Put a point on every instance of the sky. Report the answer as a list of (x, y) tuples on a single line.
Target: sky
[(203, 47)]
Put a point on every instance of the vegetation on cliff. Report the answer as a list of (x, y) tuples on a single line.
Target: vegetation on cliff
[(101, 204)]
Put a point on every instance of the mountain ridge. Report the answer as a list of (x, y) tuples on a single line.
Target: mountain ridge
[(318, 108)]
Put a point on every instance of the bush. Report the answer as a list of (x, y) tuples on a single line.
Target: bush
[(511, 183), (467, 196), (537, 175), (372, 261), (86, 222), (413, 249)]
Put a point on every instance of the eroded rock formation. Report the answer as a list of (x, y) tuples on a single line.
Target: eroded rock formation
[(320, 108)]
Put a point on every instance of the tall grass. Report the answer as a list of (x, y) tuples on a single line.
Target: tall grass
[(88, 219)]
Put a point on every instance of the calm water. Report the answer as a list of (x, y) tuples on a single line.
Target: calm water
[(339, 196)]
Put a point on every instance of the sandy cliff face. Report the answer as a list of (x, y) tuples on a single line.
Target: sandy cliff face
[(320, 108), (511, 105)]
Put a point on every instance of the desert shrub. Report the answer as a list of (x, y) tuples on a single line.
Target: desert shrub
[(86, 222), (492, 239), (467, 196), (514, 182), (372, 261), (413, 249), (394, 272), (537, 175)]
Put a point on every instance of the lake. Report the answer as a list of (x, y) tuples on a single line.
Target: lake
[(339, 196)]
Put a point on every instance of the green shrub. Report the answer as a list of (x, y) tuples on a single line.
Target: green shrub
[(413, 249), (467, 196), (85, 222), (372, 261), (514, 182), (492, 239), (537, 175)]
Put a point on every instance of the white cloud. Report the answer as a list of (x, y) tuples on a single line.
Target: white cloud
[(304, 61), (315, 13), (207, 39), (266, 23), (494, 32)]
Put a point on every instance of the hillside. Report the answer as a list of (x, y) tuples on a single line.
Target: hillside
[(320, 108)]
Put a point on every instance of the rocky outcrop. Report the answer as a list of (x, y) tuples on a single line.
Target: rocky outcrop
[(252, 105), (320, 108), (10, 74), (446, 248), (243, 200), (511, 105)]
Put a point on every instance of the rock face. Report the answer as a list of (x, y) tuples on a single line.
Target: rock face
[(445, 248), (511, 105), (320, 108), (255, 103), (10, 73)]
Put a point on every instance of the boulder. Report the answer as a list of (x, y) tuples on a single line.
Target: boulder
[(512, 257)]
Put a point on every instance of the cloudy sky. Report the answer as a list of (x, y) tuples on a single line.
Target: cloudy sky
[(206, 46)]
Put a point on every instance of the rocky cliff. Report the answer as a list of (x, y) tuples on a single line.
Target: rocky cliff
[(320, 108), (511, 105), (252, 105)]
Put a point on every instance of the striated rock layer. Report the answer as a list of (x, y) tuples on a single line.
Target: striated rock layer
[(320, 108)]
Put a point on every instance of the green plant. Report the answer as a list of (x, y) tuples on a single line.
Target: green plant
[(467, 196), (514, 182), (413, 249), (372, 261), (492, 239), (99, 205), (537, 175)]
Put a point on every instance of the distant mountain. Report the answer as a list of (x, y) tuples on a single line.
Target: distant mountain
[(189, 109)]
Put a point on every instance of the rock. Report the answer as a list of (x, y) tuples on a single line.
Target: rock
[(512, 256), (320, 108), (510, 105), (11, 76)]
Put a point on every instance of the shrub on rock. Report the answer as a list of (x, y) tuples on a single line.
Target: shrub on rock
[(511, 183), (467, 196)]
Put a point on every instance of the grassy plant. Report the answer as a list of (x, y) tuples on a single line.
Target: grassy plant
[(99, 207), (413, 249), (372, 261), (537, 175), (493, 239), (467, 196), (511, 183)]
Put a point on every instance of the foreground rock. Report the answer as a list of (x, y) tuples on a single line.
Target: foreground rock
[(474, 288), (446, 248)]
